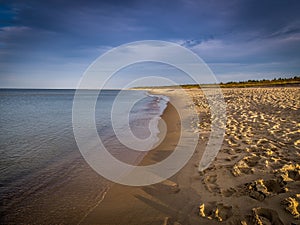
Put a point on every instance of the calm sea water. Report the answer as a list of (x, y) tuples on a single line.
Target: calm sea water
[(43, 177)]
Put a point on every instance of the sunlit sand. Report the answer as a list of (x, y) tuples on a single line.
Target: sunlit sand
[(255, 178)]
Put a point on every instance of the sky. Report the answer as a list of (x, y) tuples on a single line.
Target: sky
[(50, 44)]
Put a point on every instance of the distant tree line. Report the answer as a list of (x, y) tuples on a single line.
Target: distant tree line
[(295, 78), (292, 81), (264, 82)]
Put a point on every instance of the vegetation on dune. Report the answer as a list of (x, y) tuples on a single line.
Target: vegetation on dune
[(252, 83), (242, 84), (274, 82)]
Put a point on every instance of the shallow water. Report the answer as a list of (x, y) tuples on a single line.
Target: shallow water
[(43, 177)]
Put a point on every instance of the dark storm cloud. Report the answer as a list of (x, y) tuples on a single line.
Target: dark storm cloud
[(267, 15)]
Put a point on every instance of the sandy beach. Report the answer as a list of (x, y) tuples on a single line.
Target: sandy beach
[(155, 112), (255, 178)]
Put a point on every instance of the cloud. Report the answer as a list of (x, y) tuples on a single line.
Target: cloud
[(250, 36)]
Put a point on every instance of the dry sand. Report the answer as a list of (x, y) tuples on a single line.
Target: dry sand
[(255, 178)]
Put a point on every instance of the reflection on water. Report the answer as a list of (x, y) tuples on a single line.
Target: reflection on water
[(43, 177)]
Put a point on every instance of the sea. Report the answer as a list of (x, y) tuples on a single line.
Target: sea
[(44, 179)]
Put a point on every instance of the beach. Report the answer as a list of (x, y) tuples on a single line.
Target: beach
[(149, 112), (255, 178)]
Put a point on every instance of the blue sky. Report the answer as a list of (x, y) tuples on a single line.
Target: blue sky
[(49, 44)]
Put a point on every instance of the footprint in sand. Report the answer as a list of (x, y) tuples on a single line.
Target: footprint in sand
[(232, 143), (252, 160), (276, 186), (291, 205), (210, 182), (230, 151), (229, 192), (260, 189), (265, 216), (289, 172), (219, 212), (231, 158), (241, 167), (246, 165)]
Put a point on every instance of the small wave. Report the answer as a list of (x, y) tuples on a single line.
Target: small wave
[(101, 198), (162, 100)]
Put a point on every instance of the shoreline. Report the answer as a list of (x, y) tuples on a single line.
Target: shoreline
[(135, 205), (254, 179)]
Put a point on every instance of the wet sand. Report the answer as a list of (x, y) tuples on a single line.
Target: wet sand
[(255, 178), (142, 205)]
